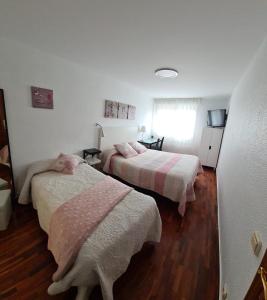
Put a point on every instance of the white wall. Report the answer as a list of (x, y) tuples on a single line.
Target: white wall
[(208, 103), (242, 178), (78, 100)]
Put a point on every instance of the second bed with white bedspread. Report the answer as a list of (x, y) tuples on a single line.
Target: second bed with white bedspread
[(107, 252)]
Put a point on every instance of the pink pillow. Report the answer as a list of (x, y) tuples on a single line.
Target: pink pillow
[(139, 148), (126, 150), (65, 164)]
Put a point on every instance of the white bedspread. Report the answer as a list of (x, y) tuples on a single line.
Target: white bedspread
[(107, 252), (171, 175)]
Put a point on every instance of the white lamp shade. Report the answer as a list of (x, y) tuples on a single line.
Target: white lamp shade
[(143, 129), (102, 132)]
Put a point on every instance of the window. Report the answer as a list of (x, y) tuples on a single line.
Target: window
[(176, 120)]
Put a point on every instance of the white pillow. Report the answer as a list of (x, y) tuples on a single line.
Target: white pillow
[(126, 150), (139, 148), (65, 163)]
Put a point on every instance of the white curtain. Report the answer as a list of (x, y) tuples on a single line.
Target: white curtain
[(175, 119)]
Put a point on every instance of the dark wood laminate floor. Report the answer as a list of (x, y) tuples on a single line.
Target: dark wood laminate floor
[(184, 266)]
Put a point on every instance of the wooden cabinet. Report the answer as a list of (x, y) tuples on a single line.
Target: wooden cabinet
[(210, 146)]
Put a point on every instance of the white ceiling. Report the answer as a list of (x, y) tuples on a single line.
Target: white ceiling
[(210, 42)]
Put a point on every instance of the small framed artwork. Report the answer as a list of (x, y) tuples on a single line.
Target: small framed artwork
[(131, 112), (111, 109), (42, 98), (122, 111)]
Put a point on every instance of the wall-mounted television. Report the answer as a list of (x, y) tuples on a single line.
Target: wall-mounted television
[(217, 118)]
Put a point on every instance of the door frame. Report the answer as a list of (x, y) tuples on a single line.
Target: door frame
[(13, 190)]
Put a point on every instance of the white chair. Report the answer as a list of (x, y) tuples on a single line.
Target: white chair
[(5, 208)]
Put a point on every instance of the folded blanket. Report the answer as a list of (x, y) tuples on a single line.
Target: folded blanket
[(34, 169), (74, 221)]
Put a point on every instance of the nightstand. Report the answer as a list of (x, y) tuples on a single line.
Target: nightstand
[(90, 155), (148, 142)]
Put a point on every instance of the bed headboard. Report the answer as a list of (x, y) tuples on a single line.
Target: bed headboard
[(117, 135)]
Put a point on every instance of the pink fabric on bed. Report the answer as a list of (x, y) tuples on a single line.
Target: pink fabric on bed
[(65, 164), (74, 221), (139, 148), (189, 195), (126, 150), (161, 173), (171, 175)]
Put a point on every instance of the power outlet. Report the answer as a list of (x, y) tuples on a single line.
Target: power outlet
[(256, 243), (225, 292)]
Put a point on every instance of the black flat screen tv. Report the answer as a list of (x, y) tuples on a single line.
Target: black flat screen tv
[(217, 118)]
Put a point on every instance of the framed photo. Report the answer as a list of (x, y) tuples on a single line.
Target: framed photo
[(131, 112), (42, 98), (111, 109), (123, 111)]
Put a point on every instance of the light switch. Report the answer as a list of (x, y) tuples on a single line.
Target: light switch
[(256, 242), (225, 292)]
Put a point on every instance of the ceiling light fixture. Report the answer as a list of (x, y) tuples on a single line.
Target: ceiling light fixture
[(166, 73)]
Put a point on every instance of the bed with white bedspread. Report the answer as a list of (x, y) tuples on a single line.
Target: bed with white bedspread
[(171, 175), (107, 252)]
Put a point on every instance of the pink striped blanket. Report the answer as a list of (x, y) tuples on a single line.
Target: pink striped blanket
[(74, 221), (171, 175)]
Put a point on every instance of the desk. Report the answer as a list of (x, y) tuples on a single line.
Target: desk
[(148, 142)]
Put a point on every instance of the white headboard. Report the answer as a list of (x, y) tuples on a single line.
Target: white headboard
[(117, 135)]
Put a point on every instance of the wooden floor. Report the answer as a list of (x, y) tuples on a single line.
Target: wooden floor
[(183, 266)]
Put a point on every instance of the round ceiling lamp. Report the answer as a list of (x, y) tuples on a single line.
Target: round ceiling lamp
[(166, 73)]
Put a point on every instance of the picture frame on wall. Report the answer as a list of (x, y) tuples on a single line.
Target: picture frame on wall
[(111, 109), (118, 110), (42, 98), (131, 112), (122, 111)]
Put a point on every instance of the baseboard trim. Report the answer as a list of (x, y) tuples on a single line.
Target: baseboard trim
[(219, 236)]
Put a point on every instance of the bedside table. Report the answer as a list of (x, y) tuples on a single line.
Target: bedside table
[(90, 155)]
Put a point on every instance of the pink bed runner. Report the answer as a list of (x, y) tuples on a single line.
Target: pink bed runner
[(74, 221)]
